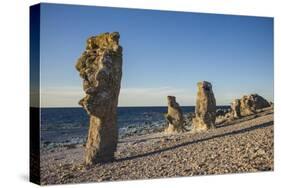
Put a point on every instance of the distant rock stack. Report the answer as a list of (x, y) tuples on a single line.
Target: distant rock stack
[(205, 110), (235, 107), (174, 116), (100, 67), (248, 105)]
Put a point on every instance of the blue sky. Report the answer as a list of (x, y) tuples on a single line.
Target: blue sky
[(165, 53)]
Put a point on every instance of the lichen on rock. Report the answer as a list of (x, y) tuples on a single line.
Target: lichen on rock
[(205, 110), (174, 116), (100, 67)]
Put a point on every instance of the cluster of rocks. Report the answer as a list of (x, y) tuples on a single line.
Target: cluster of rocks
[(248, 105), (187, 122), (206, 113), (222, 112)]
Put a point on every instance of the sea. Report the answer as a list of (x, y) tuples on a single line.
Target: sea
[(65, 126)]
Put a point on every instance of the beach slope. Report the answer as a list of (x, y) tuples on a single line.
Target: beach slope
[(235, 146)]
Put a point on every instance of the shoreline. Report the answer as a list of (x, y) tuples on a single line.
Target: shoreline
[(56, 133), (236, 146)]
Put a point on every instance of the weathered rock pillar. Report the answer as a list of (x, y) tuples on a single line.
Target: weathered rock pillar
[(174, 116), (205, 110), (235, 108), (100, 67)]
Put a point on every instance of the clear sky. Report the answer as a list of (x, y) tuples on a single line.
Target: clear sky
[(164, 53)]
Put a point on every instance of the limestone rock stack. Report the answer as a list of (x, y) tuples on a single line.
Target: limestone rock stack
[(235, 107), (174, 116), (205, 110), (248, 105), (100, 67)]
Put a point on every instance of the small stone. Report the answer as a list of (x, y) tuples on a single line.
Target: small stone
[(260, 152)]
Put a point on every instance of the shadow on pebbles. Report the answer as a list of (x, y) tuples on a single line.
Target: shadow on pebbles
[(243, 145)]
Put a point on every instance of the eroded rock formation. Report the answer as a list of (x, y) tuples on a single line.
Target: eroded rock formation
[(100, 67), (248, 105), (205, 110), (235, 107), (174, 116)]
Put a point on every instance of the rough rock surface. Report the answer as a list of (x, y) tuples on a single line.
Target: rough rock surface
[(174, 116), (100, 67), (205, 109), (235, 107), (248, 105)]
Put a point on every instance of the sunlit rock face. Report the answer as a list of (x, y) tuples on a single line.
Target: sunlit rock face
[(235, 108), (248, 105), (100, 67), (205, 110), (174, 116)]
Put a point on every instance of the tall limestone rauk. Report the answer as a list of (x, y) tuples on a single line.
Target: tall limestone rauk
[(100, 67), (174, 116), (205, 110)]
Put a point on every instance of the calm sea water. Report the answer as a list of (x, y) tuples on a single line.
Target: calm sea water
[(70, 125)]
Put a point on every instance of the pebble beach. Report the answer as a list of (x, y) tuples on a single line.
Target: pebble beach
[(234, 146)]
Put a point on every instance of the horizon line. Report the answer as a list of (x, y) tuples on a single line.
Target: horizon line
[(117, 106)]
